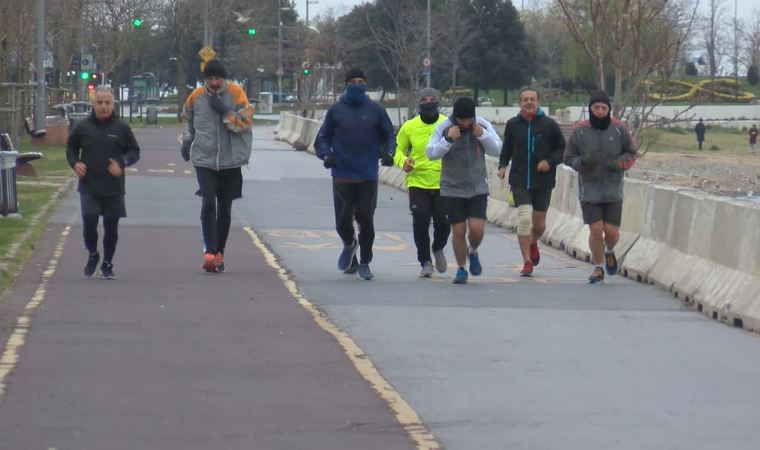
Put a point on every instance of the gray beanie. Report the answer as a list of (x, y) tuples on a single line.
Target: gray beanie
[(428, 92)]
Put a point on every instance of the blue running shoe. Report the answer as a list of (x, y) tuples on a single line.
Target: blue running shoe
[(461, 276), (475, 267), (597, 277), (346, 255), (364, 273)]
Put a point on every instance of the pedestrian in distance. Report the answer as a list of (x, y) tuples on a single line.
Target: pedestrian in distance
[(534, 144), (700, 129), (355, 134), (98, 149), (601, 149), (753, 139), (217, 139), (461, 144), (423, 180)]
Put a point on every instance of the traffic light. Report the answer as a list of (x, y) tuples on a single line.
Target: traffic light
[(251, 31), (84, 75), (94, 76), (306, 71), (90, 86), (137, 22)]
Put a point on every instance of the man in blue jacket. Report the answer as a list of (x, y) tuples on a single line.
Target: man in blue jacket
[(356, 133)]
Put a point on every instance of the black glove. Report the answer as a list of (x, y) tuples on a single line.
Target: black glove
[(386, 159), (217, 104), (185, 150), (589, 161), (329, 162)]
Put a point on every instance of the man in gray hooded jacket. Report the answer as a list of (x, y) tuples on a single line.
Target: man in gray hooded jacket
[(601, 149), (462, 143)]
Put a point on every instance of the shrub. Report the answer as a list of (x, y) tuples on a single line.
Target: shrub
[(714, 148), (753, 77)]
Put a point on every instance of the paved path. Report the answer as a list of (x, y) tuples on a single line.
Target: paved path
[(169, 357)]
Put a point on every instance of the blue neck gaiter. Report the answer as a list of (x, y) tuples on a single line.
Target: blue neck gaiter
[(356, 93)]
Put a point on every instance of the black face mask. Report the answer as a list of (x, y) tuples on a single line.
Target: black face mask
[(599, 124), (429, 112)]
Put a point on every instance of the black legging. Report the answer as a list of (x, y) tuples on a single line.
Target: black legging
[(426, 204), (216, 218), (110, 235), (356, 200)]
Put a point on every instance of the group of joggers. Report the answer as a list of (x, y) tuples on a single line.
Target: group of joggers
[(446, 175), (443, 158)]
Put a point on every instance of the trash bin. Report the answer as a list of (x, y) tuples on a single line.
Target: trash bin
[(8, 156), (151, 117)]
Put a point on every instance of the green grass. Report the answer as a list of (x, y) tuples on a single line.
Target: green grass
[(53, 170), (731, 142)]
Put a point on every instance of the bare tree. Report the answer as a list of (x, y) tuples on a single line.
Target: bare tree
[(455, 23), (750, 31), (400, 42), (714, 35), (632, 39)]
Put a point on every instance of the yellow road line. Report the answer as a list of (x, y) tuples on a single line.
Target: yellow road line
[(405, 415), (10, 355)]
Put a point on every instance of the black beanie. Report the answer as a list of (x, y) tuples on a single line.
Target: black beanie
[(464, 108), (355, 73), (214, 68), (599, 97)]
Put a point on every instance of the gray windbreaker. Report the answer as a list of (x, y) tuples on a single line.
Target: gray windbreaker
[(463, 161), (600, 157), (219, 142)]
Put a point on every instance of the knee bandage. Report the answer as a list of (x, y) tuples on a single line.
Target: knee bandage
[(524, 220)]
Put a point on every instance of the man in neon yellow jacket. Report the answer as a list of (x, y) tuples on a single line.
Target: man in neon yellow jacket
[(423, 178)]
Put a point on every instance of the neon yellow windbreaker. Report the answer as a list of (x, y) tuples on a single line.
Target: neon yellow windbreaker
[(410, 143)]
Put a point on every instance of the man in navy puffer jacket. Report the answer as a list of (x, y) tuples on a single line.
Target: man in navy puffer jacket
[(356, 133)]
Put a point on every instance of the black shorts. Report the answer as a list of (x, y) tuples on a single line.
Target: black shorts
[(460, 209), (93, 205), (538, 198), (223, 184), (610, 213)]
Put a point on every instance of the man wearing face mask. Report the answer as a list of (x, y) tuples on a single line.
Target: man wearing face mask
[(534, 144), (461, 144), (218, 139), (355, 134), (601, 149), (423, 178)]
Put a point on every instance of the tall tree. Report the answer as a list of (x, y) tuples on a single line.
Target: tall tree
[(499, 57)]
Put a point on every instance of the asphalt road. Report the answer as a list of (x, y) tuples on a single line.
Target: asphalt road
[(168, 357)]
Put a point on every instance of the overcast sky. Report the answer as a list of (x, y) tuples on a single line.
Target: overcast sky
[(342, 7)]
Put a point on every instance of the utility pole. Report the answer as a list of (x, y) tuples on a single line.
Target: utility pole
[(40, 103), (736, 51), (308, 2), (279, 51), (428, 69)]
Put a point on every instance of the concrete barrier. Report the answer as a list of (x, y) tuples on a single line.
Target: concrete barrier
[(703, 249)]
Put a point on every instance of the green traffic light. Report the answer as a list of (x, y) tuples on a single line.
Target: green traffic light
[(252, 32), (306, 71), (84, 75), (136, 22)]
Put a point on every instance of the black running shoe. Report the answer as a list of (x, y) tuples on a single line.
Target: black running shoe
[(106, 271), (610, 263), (92, 264)]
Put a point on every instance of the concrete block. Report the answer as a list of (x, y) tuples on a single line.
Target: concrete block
[(500, 213), (640, 259), (635, 200)]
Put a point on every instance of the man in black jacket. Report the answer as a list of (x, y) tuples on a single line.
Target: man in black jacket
[(98, 150), (534, 144)]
